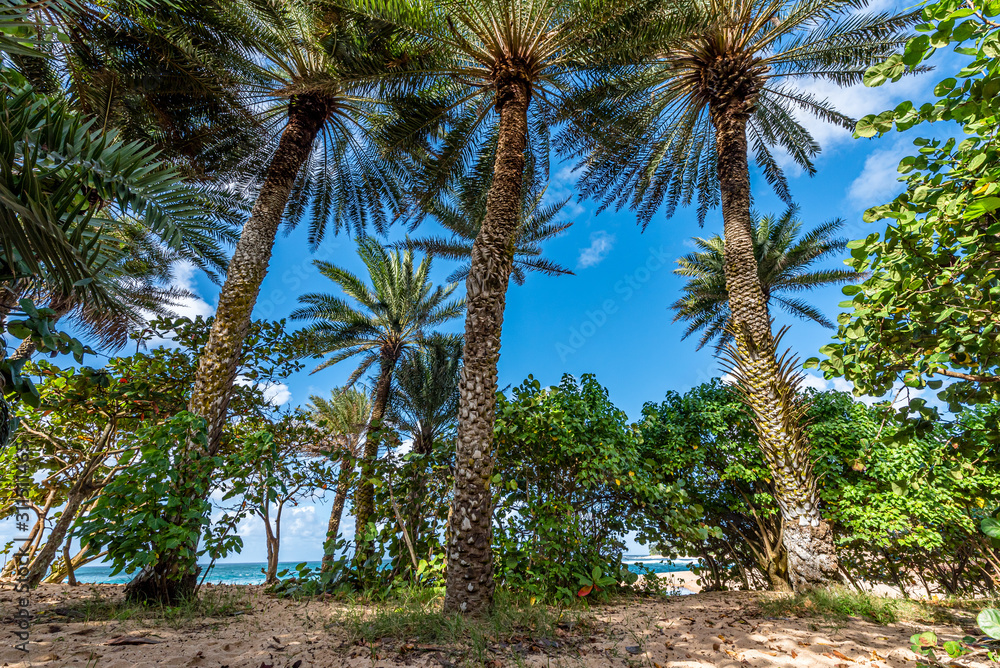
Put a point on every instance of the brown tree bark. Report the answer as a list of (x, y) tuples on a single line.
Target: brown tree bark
[(339, 499), (81, 490), (423, 442), (364, 501), (469, 583), (807, 537), (169, 579)]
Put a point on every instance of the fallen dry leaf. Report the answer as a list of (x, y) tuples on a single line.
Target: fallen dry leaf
[(841, 655)]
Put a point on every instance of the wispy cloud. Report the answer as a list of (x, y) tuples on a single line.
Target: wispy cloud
[(878, 181), (194, 306), (601, 244)]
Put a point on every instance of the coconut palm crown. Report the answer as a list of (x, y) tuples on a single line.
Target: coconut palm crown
[(462, 213), (783, 262), (391, 317), (651, 126)]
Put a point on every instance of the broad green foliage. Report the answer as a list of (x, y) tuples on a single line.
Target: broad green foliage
[(929, 308), (899, 506), (138, 398), (152, 510), (570, 482), (705, 438)]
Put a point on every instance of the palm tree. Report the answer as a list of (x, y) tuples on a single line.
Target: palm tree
[(462, 214), (425, 406), (70, 196), (344, 418), (681, 121), (311, 87), (395, 313), (484, 104), (783, 262)]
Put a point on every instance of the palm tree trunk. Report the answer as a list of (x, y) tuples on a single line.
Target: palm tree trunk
[(469, 585), (168, 579), (365, 499), (807, 537), (333, 526)]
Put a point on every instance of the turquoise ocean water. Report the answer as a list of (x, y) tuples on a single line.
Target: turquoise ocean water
[(252, 573)]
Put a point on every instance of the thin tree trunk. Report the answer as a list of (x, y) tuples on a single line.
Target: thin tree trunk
[(807, 537), (271, 539), (364, 503), (423, 442), (68, 562), (44, 557), (469, 584), (169, 579), (333, 526)]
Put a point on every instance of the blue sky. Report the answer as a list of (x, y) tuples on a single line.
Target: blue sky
[(612, 317)]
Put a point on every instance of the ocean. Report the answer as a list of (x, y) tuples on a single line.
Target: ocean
[(253, 573)]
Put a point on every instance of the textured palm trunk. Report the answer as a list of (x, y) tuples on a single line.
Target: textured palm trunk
[(807, 537), (364, 503), (469, 584), (170, 579), (339, 499)]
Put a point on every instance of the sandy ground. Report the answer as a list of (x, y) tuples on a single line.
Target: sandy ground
[(724, 629)]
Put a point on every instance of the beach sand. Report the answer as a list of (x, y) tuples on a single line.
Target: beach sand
[(720, 629)]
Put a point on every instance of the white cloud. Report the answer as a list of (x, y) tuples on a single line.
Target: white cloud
[(276, 394), (854, 101), (562, 186), (728, 379), (601, 244), (194, 306), (878, 181)]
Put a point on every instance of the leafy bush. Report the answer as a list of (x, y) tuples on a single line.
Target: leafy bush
[(570, 482)]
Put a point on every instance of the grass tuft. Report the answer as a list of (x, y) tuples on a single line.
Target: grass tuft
[(413, 622), (842, 603), (217, 602)]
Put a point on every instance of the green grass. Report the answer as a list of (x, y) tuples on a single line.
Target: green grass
[(842, 603), (210, 603), (413, 621)]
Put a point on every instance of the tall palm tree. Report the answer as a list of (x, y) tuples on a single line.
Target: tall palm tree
[(391, 316), (783, 264), (682, 122), (344, 418), (313, 96), (484, 104), (425, 406), (462, 213)]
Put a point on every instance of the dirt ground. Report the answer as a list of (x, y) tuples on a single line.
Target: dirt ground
[(724, 629)]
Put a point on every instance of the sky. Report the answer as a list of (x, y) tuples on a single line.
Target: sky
[(611, 317)]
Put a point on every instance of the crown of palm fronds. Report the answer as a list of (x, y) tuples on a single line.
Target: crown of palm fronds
[(136, 277), (162, 73), (313, 52), (439, 118), (67, 186), (462, 213), (343, 417), (645, 131), (426, 390), (783, 263), (392, 314)]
